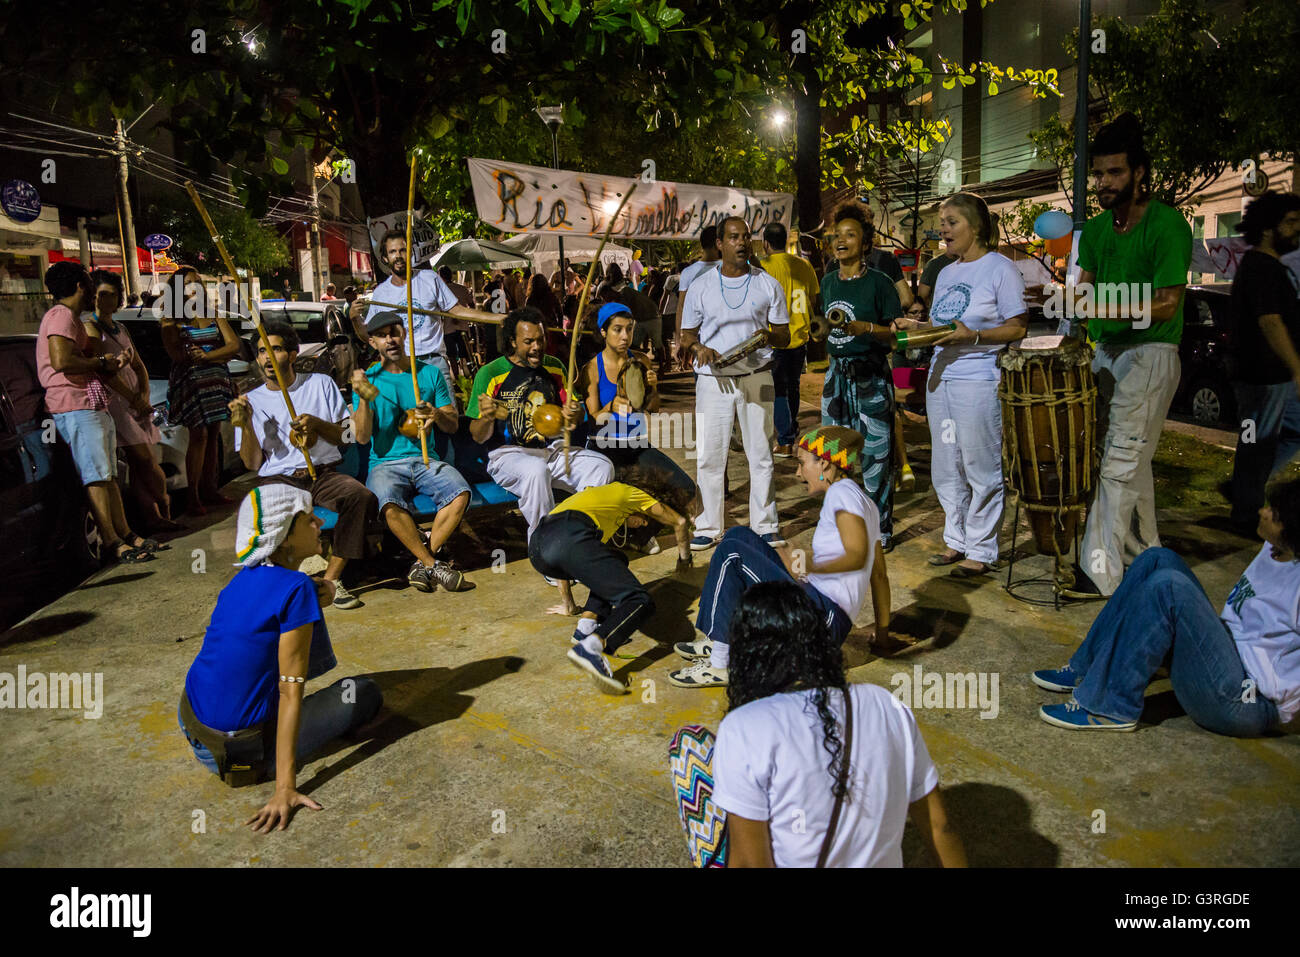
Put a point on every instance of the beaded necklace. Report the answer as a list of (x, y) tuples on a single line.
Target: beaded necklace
[(745, 290)]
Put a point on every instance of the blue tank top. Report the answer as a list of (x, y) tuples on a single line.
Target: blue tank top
[(620, 429)]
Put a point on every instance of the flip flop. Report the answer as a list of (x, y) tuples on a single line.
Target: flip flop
[(151, 545), (132, 555), (940, 559)]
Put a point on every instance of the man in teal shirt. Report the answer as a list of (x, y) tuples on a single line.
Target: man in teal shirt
[(381, 396), (1135, 255)]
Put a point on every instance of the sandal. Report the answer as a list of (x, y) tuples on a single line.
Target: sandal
[(963, 571), (151, 545), (942, 558), (131, 555)]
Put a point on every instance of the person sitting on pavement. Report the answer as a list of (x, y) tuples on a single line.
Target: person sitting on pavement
[(847, 560), (243, 710), (1236, 673), (573, 543), (270, 445), (506, 393), (381, 396), (764, 794), (77, 383)]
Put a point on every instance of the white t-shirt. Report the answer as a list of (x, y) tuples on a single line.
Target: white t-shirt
[(1263, 614), (727, 310), (849, 590), (694, 269), (981, 295), (312, 394), (769, 765), (428, 292)]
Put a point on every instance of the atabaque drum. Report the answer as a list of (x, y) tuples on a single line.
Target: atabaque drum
[(1049, 415)]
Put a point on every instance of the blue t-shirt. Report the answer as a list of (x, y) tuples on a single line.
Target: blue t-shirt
[(387, 444), (234, 683)]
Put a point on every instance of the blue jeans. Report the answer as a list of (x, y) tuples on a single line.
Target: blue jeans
[(397, 483), (1160, 612), (742, 559), (325, 715), (1275, 410), (785, 376)]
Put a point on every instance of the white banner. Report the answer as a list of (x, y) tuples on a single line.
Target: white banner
[(532, 199)]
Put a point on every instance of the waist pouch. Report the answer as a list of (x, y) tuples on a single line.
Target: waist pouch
[(241, 757)]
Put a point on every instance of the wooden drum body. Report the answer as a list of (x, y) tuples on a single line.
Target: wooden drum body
[(1049, 415)]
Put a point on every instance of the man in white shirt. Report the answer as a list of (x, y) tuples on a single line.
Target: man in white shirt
[(428, 291), (720, 311), (270, 445)]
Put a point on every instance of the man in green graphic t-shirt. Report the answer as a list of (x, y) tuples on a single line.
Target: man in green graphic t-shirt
[(1135, 254)]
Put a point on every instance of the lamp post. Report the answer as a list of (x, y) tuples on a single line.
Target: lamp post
[(1081, 119), (553, 117)]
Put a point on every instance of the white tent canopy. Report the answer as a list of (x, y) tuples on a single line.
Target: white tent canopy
[(544, 249)]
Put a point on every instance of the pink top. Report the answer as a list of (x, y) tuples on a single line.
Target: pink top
[(64, 393)]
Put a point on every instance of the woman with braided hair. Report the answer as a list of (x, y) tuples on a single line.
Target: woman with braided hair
[(847, 560), (806, 770)]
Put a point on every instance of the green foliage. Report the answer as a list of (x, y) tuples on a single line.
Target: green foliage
[(251, 244)]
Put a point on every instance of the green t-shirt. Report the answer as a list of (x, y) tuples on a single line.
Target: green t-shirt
[(1157, 251), (387, 444), (867, 297)]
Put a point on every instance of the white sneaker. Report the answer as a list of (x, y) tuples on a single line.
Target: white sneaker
[(698, 650), (345, 599), (699, 675)]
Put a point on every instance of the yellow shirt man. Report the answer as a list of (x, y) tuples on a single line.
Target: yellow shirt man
[(797, 278)]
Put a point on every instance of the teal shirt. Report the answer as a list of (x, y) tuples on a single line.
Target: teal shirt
[(387, 444), (868, 297), (1157, 251)]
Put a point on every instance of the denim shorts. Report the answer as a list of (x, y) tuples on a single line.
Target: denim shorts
[(93, 440), (397, 483)]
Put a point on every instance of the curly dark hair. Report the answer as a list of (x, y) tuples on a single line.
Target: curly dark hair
[(780, 642), (658, 484), (516, 316)]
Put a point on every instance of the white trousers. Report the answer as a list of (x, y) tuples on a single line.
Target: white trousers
[(719, 401), (1135, 386), (531, 474), (966, 464)]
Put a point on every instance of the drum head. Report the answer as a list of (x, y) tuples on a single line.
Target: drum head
[(634, 384)]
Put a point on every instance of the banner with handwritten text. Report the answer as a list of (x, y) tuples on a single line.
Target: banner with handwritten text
[(532, 199)]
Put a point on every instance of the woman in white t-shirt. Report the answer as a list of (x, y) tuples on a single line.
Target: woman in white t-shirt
[(983, 293), (807, 770), (847, 560), (1235, 673)]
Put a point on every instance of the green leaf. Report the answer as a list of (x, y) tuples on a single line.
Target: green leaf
[(649, 32), (949, 83), (502, 110), (706, 41), (993, 88), (723, 75), (439, 126), (279, 165)]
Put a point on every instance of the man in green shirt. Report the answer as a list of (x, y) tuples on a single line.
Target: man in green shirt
[(1134, 255)]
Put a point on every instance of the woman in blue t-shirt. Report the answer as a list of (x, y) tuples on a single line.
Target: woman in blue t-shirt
[(243, 709)]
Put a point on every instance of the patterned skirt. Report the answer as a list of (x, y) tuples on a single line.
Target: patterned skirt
[(859, 395), (199, 395)]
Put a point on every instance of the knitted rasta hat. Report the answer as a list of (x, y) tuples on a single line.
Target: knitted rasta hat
[(265, 518), (835, 444)]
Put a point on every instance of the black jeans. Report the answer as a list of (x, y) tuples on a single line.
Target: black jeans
[(785, 376), (567, 545)]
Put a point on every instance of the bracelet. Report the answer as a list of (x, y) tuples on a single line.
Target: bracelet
[(977, 337), (292, 680)]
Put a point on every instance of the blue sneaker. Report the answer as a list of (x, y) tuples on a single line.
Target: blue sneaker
[(773, 538), (700, 542), (595, 665), (1076, 717), (1057, 680)]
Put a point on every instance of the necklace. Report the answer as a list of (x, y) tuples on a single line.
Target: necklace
[(862, 270), (744, 290)]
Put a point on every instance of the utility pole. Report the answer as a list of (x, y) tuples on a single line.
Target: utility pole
[(130, 265), (318, 287), (1081, 118)]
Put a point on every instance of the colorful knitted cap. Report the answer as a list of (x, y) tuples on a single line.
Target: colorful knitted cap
[(265, 518), (835, 444)]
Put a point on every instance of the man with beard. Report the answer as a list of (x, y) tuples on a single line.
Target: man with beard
[(381, 397), (428, 291), (1265, 334), (271, 445), (522, 461), (1139, 244)]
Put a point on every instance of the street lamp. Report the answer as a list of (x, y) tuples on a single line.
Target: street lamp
[(779, 118), (553, 117)]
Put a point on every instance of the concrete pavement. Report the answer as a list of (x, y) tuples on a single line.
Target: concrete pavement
[(500, 753)]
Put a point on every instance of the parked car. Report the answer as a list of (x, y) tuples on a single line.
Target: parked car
[(51, 540), (1205, 386)]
